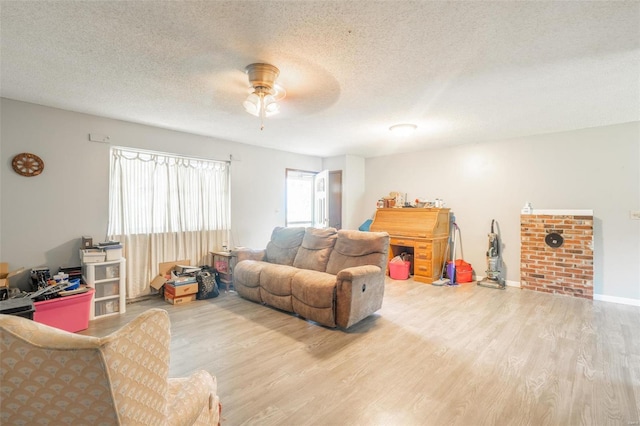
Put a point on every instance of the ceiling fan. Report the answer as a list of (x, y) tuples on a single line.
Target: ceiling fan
[(263, 100), (310, 88)]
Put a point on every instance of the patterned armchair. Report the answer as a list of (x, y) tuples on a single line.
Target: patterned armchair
[(49, 376)]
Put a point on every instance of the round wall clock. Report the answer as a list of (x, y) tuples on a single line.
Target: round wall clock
[(26, 164)]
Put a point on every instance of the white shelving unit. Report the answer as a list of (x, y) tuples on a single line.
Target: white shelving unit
[(108, 280)]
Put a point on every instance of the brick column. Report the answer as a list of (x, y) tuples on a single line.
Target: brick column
[(567, 269)]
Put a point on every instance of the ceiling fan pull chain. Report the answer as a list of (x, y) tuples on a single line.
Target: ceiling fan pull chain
[(262, 111)]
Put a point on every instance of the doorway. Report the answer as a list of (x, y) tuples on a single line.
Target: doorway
[(313, 198)]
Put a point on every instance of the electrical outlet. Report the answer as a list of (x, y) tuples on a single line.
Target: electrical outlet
[(634, 215)]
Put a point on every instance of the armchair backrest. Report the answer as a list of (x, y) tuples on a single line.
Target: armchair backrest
[(48, 375)]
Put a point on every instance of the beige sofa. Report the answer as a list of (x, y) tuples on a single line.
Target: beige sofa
[(335, 278)]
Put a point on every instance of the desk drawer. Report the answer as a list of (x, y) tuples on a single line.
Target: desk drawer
[(423, 245), (422, 255), (421, 267), (405, 242)]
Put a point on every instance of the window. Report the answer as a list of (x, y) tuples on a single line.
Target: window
[(165, 207), (300, 198)]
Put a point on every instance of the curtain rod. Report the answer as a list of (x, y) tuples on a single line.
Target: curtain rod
[(185, 157)]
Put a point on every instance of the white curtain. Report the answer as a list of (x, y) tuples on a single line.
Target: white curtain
[(164, 208)]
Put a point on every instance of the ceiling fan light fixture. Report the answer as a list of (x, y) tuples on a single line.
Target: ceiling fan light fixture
[(271, 106), (403, 130), (263, 101), (252, 104)]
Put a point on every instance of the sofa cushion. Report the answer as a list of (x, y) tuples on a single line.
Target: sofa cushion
[(323, 316), (284, 245), (316, 247), (357, 248), (314, 288), (276, 279), (313, 296), (275, 286)]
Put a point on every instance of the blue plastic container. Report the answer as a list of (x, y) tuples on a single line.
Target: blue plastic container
[(75, 283)]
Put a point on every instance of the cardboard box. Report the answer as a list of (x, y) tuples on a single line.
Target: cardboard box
[(179, 300), (5, 275), (180, 290), (164, 272)]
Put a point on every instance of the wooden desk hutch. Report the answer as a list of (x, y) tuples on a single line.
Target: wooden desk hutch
[(420, 232)]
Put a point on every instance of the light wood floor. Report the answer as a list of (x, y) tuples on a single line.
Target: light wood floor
[(431, 356)]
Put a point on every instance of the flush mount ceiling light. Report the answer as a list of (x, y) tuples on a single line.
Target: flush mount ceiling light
[(404, 129), (265, 94)]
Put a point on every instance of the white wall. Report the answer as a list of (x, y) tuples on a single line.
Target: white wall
[(594, 168), (353, 185), (42, 218)]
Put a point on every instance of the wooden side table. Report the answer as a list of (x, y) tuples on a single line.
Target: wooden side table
[(224, 262)]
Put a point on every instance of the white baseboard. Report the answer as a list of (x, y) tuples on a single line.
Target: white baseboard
[(599, 297), (614, 299)]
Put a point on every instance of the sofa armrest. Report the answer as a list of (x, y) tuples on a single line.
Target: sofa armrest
[(359, 293), (358, 272), (249, 254)]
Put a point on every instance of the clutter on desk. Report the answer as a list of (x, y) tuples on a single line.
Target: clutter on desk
[(400, 200)]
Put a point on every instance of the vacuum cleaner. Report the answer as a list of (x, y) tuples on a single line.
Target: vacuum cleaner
[(494, 278)]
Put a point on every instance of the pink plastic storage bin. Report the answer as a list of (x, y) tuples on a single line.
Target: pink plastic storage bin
[(70, 313), (221, 266), (399, 270)]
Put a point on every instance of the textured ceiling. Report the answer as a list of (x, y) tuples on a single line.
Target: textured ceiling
[(464, 72)]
